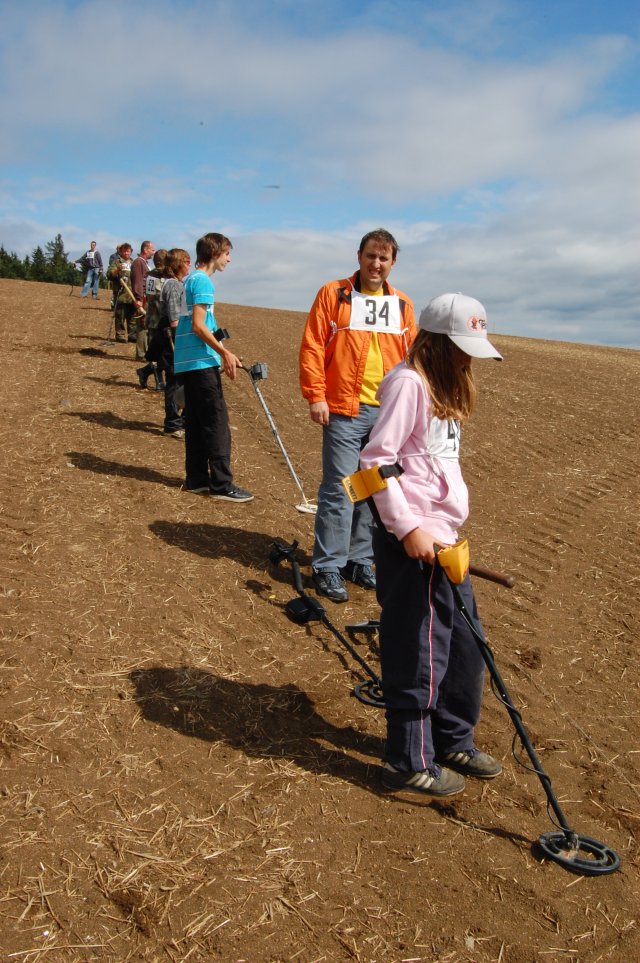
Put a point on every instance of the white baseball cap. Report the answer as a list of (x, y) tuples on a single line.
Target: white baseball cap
[(464, 320)]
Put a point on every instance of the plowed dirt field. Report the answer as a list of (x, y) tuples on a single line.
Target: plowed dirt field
[(184, 774)]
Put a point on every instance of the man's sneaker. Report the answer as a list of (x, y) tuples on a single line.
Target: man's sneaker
[(197, 490), (433, 781), (178, 433), (359, 574), (330, 584), (472, 762), (234, 494)]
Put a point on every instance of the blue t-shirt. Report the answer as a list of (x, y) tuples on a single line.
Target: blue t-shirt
[(191, 352)]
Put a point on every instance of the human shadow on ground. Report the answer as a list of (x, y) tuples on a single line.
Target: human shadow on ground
[(274, 722), (115, 381), (109, 420), (215, 541), (225, 541), (94, 352), (251, 549), (101, 466), (90, 305), (258, 719), (53, 349)]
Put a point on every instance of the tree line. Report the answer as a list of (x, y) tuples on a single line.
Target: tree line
[(51, 264)]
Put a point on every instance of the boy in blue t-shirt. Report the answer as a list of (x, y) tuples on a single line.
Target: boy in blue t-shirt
[(197, 360)]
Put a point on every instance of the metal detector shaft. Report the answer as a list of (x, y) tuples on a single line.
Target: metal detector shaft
[(278, 439), (507, 701), (361, 662), (276, 435), (124, 284), (281, 550), (297, 577)]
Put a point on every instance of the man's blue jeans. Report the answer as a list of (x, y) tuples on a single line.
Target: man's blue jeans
[(92, 281), (343, 530)]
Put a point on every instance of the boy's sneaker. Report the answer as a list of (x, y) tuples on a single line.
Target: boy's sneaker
[(433, 781), (330, 584), (360, 574), (472, 762), (234, 494)]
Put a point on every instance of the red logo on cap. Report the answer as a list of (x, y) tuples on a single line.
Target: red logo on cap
[(476, 324)]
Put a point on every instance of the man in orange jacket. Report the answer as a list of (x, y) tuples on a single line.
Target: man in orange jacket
[(357, 330)]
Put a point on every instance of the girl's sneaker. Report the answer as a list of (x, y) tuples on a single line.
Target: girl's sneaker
[(472, 762), (433, 781)]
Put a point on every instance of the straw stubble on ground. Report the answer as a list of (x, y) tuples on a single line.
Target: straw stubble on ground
[(184, 774)]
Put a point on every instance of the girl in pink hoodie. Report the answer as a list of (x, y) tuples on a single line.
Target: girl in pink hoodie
[(432, 668)]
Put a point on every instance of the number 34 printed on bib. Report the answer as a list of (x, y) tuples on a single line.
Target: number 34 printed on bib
[(379, 313)]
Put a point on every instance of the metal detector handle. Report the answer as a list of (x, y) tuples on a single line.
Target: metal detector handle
[(507, 580), (124, 284), (281, 551)]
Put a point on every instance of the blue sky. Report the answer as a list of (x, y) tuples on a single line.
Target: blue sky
[(498, 140)]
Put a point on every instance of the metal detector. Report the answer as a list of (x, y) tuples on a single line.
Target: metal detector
[(306, 609), (578, 854), (109, 340), (259, 372), (77, 267)]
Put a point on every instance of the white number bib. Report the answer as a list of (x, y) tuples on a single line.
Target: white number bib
[(444, 438), (150, 286), (379, 313)]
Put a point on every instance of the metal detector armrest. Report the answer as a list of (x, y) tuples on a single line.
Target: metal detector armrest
[(367, 481), (455, 560)]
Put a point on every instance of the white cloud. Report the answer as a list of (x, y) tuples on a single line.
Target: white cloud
[(505, 175), (387, 112), (103, 188), (533, 283)]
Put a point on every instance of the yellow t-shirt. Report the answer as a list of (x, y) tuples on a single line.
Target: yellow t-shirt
[(374, 367)]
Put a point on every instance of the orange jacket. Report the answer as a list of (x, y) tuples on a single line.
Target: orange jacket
[(333, 358)]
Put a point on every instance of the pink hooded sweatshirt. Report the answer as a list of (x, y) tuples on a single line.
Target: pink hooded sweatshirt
[(431, 494)]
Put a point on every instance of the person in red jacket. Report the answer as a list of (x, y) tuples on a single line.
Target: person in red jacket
[(358, 329)]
